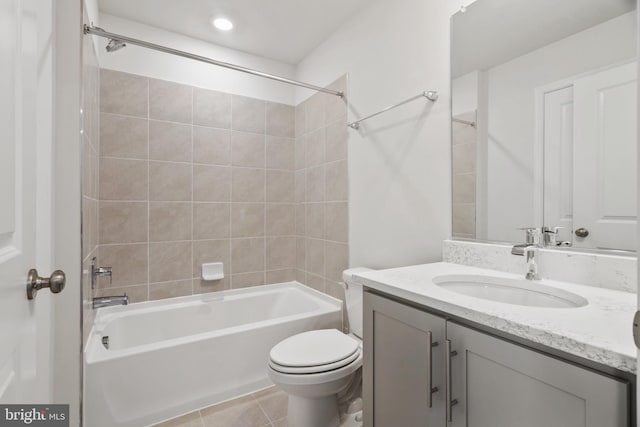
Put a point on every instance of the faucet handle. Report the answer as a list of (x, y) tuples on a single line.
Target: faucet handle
[(550, 236), (107, 271), (552, 230), (532, 235), (103, 271)]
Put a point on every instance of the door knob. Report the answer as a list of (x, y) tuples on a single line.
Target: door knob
[(636, 329), (55, 283), (582, 232)]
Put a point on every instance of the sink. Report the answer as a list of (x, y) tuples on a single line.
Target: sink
[(510, 291)]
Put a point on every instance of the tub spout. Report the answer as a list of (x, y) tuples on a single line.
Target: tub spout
[(109, 301)]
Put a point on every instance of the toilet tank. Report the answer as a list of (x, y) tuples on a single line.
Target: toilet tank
[(353, 296)]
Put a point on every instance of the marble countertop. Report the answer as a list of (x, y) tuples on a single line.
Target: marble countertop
[(599, 331)]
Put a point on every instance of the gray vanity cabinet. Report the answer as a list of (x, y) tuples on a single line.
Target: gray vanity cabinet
[(493, 382), (500, 384), (403, 354)]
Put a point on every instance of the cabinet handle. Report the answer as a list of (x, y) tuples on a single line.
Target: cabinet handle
[(450, 403), (432, 389)]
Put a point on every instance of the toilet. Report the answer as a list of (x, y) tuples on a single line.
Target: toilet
[(313, 367)]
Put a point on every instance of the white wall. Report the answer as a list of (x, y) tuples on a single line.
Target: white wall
[(511, 115), (93, 13), (67, 254), (44, 190), (137, 60), (399, 163), (465, 93)]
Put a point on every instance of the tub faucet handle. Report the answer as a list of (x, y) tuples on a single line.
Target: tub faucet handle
[(103, 271), (100, 271)]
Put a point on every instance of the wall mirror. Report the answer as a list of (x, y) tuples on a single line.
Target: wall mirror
[(544, 121)]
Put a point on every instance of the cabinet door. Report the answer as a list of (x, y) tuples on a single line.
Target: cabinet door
[(500, 384), (397, 365)]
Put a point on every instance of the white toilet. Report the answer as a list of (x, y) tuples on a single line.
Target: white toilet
[(313, 367)]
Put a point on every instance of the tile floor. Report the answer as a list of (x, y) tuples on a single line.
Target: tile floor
[(266, 408)]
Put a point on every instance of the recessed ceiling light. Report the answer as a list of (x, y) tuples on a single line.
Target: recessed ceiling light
[(223, 24)]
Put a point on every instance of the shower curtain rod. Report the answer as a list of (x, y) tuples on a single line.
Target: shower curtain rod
[(431, 95), (118, 37)]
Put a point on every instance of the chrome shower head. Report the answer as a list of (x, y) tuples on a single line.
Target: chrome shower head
[(114, 45)]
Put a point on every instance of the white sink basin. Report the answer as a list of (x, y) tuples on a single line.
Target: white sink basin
[(510, 291)]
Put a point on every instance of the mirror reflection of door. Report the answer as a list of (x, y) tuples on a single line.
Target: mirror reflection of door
[(555, 121), (590, 159)]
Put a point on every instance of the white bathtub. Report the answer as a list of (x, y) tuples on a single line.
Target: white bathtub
[(167, 358)]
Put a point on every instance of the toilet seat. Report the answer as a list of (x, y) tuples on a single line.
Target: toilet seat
[(314, 352), (315, 369)]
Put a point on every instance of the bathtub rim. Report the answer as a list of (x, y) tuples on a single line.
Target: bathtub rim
[(94, 351)]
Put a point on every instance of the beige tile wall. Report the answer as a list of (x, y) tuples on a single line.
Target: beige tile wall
[(321, 191), (464, 176), (90, 150), (188, 176)]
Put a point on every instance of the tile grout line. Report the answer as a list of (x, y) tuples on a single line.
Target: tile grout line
[(193, 281), (217, 165), (264, 208), (230, 249), (304, 196), (266, 415), (148, 119), (92, 290)]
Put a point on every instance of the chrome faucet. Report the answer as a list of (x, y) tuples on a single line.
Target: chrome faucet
[(109, 301), (530, 251), (550, 237)]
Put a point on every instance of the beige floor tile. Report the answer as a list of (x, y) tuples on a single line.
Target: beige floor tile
[(274, 403), (280, 423), (243, 412), (190, 420)]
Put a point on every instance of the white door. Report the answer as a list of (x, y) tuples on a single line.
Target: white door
[(24, 373), (558, 161), (637, 118), (605, 159)]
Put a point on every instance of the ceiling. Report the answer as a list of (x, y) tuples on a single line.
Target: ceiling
[(492, 32), (284, 30)]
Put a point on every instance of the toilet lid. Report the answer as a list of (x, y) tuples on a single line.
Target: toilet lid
[(315, 369), (315, 349)]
